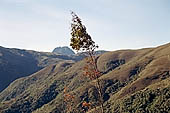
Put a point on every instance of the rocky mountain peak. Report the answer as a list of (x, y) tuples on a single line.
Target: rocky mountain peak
[(63, 50)]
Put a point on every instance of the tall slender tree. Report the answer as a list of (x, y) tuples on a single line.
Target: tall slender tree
[(82, 41)]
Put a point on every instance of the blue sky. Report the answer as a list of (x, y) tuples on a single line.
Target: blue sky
[(113, 24)]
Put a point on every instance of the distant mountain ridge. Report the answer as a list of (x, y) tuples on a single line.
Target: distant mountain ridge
[(63, 50), (16, 63)]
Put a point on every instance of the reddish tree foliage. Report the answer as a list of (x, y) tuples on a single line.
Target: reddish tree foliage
[(82, 41), (68, 100)]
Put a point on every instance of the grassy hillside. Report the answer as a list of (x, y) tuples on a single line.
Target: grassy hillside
[(133, 81)]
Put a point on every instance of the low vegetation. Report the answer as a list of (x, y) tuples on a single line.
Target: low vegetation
[(140, 84)]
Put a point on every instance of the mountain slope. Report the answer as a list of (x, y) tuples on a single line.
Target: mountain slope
[(132, 81), (16, 63)]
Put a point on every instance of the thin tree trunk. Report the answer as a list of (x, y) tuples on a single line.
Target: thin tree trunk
[(98, 86)]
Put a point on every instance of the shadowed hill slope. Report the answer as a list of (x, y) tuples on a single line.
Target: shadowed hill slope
[(132, 81), (16, 63)]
